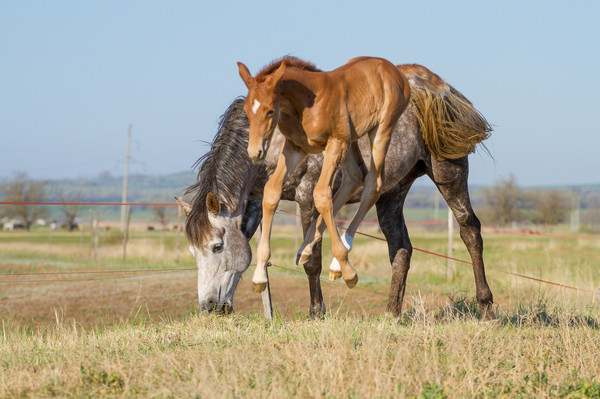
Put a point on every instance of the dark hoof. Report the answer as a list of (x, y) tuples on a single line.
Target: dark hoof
[(352, 282), (487, 314), (258, 287)]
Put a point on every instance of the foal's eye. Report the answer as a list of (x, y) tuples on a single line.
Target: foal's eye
[(217, 248), (270, 112)]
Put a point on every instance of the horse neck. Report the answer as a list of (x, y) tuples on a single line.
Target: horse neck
[(298, 88), (229, 173)]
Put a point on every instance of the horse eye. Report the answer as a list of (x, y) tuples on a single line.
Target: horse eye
[(217, 248), (270, 112)]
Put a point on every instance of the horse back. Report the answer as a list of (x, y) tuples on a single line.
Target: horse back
[(374, 90)]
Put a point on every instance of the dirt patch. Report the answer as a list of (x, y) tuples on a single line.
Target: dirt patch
[(168, 296)]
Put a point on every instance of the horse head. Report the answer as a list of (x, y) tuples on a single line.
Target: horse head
[(262, 108), (220, 247)]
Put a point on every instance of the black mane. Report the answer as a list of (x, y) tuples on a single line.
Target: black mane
[(223, 170)]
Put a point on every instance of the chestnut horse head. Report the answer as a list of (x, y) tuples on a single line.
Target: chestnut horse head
[(262, 108)]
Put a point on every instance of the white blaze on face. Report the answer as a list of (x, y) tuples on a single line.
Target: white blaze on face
[(255, 106)]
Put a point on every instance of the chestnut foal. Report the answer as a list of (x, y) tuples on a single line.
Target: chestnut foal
[(323, 112)]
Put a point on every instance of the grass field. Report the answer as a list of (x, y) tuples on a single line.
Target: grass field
[(141, 336)]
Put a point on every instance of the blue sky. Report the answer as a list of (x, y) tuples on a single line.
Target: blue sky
[(74, 75)]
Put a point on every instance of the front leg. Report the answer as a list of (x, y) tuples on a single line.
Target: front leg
[(351, 180), (290, 157)]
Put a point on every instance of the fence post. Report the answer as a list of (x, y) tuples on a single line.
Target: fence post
[(177, 236), (436, 204), (95, 234), (91, 233), (298, 228), (50, 240), (81, 241), (450, 267)]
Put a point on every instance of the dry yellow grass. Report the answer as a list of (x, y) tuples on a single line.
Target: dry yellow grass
[(541, 352), (545, 344)]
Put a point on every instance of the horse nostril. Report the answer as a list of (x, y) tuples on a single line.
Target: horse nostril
[(210, 305), (259, 155)]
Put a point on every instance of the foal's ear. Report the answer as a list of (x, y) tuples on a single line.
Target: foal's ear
[(212, 204), (185, 207), (245, 74), (276, 76)]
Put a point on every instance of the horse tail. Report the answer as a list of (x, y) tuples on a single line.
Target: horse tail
[(450, 125)]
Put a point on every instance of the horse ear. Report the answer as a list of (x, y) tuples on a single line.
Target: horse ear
[(185, 207), (276, 76), (212, 204), (245, 74)]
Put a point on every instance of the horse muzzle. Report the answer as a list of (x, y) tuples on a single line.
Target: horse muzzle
[(212, 306), (257, 153)]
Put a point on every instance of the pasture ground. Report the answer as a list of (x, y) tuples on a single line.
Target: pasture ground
[(141, 336)]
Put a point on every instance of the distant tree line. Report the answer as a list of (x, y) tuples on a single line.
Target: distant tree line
[(507, 203), (21, 188)]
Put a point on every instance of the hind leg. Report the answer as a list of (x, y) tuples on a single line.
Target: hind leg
[(380, 140), (312, 267), (451, 179), (391, 220)]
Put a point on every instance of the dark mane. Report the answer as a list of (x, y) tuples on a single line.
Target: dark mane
[(290, 62), (223, 170)]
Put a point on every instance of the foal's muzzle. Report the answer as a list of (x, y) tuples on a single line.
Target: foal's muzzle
[(257, 154)]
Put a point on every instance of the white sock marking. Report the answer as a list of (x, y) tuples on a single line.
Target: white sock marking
[(347, 241), (255, 106)]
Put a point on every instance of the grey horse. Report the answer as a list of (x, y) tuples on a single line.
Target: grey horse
[(433, 137)]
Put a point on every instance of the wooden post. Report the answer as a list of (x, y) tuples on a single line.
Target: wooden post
[(95, 234), (50, 239), (298, 229), (91, 233), (436, 204), (266, 299), (81, 240), (126, 232), (450, 267), (178, 234)]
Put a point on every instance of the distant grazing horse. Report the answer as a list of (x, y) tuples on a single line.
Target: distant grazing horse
[(433, 137), (323, 112)]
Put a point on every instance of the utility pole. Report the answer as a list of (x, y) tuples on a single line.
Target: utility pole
[(575, 210), (125, 177)]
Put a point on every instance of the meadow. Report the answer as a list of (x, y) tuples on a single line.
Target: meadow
[(118, 335)]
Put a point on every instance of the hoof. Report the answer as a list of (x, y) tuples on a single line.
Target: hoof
[(259, 287), (352, 282), (488, 315), (334, 275)]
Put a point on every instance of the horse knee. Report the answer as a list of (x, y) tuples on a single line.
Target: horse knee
[(401, 259), (271, 198), (323, 201)]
